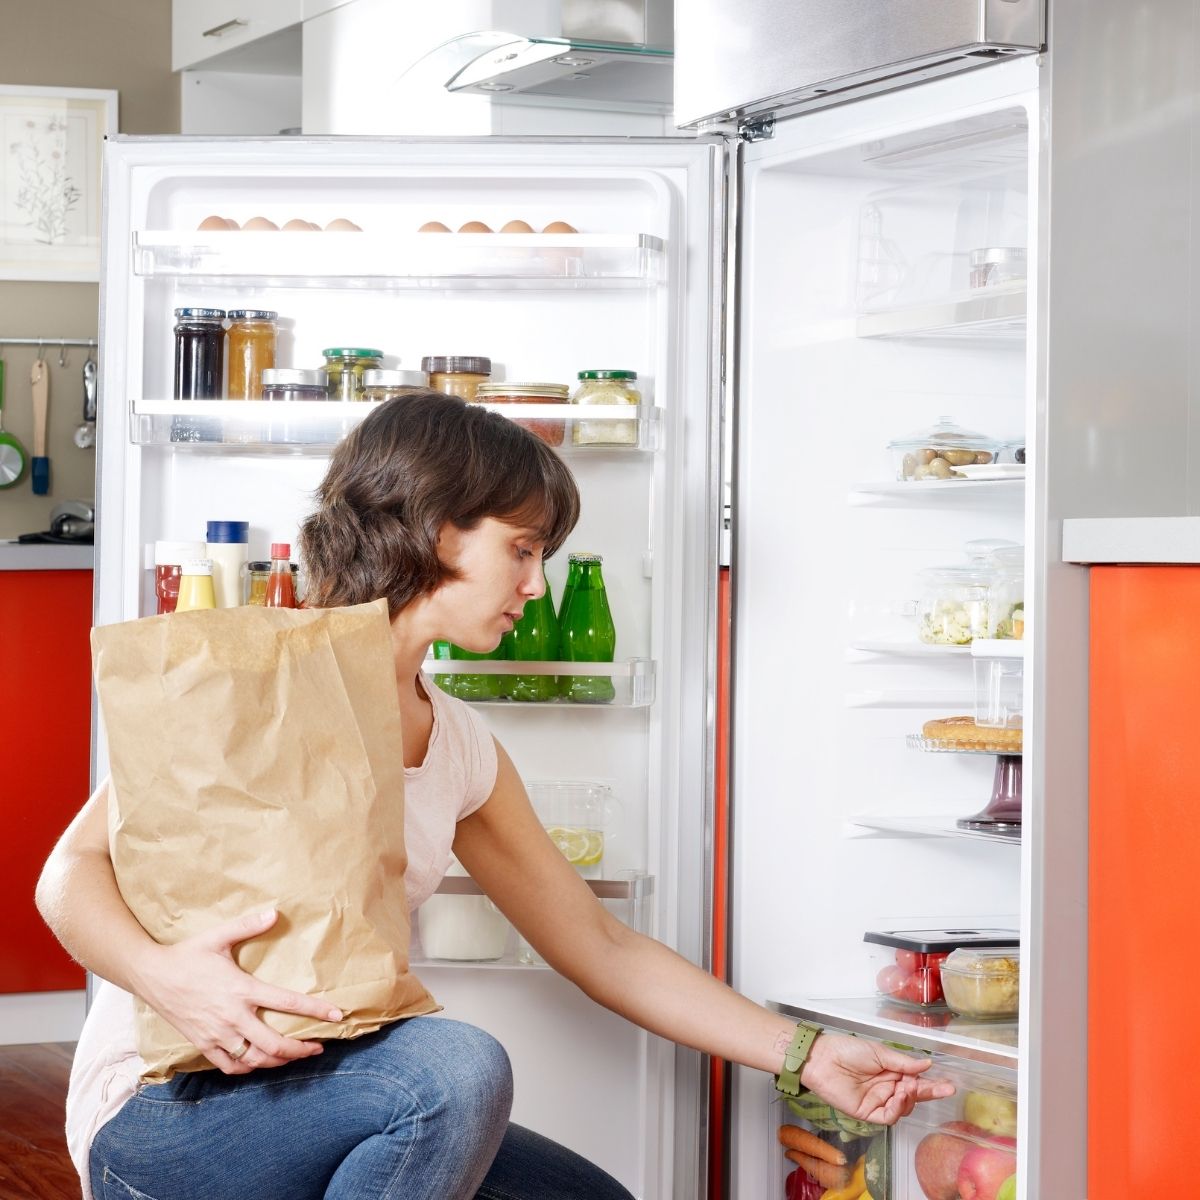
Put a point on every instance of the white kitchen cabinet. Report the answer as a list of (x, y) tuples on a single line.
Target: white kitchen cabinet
[(200, 32)]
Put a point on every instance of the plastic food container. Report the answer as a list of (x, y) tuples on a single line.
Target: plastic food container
[(1006, 593), (953, 608), (932, 454), (999, 682), (992, 266), (983, 982), (551, 432), (462, 928), (907, 963)]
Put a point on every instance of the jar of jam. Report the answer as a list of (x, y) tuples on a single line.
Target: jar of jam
[(169, 558), (199, 353), (288, 383), (457, 376), (344, 367), (550, 431), (380, 384), (606, 387), (251, 350)]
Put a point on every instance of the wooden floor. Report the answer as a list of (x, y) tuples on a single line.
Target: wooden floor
[(33, 1151)]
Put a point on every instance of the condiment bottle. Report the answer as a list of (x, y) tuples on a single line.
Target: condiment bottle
[(385, 384), (588, 634), (251, 350), (535, 639), (344, 367), (169, 558), (483, 687), (281, 590), (457, 376), (606, 387), (228, 546), (196, 586)]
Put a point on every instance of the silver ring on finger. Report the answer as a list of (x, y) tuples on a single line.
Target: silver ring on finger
[(240, 1051)]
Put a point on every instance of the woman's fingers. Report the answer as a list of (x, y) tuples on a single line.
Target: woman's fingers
[(222, 938), (265, 995)]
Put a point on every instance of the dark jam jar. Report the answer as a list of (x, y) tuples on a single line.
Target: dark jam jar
[(199, 367)]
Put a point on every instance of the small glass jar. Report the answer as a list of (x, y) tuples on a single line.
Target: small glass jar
[(551, 432), (606, 387), (380, 384), (457, 376), (992, 266), (199, 353), (953, 609), (254, 581), (344, 367), (290, 384), (250, 351)]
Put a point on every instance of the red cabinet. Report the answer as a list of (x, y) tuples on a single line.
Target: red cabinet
[(45, 738)]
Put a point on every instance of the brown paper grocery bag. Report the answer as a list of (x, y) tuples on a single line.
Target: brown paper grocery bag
[(257, 762)]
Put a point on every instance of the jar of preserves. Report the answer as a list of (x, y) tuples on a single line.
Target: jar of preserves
[(290, 384), (606, 387), (199, 353), (380, 384), (344, 367), (457, 376), (250, 350), (551, 432)]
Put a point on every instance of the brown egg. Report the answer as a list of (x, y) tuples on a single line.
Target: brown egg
[(474, 227), (434, 227), (560, 227), (516, 227), (342, 225), (298, 224), (230, 223), (259, 223), (211, 223)]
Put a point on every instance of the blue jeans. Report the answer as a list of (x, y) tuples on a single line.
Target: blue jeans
[(416, 1111)]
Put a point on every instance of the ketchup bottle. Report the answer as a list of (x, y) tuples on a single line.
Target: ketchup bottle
[(281, 590)]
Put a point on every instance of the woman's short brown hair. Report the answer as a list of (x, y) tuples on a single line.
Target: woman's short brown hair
[(414, 464)]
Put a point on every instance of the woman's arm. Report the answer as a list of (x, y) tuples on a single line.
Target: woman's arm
[(503, 846), (194, 985)]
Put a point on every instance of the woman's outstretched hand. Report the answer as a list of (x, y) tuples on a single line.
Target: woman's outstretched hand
[(197, 988), (868, 1080)]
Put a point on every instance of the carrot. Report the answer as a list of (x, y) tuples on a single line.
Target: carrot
[(829, 1175), (796, 1138)]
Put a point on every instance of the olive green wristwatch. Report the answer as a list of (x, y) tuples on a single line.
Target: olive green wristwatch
[(794, 1058)]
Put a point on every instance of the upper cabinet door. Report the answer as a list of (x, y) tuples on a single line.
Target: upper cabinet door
[(201, 31), (735, 61)]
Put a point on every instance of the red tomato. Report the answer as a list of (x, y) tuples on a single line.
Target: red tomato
[(908, 961), (922, 987), (891, 981)]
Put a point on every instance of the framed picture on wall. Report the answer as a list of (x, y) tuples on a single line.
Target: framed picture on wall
[(51, 147)]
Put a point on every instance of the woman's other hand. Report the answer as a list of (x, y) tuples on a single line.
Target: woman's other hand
[(868, 1080), (197, 987)]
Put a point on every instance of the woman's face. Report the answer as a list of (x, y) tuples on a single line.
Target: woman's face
[(500, 570)]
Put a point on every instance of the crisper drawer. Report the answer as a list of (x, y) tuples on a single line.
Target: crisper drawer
[(959, 1148)]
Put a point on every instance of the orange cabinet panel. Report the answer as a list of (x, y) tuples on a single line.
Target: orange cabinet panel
[(45, 735)]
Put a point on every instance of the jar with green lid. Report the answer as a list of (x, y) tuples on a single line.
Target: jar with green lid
[(381, 384), (344, 367), (457, 375), (606, 387), (551, 432)]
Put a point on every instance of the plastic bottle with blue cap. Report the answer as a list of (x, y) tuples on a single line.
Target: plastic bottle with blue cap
[(228, 545)]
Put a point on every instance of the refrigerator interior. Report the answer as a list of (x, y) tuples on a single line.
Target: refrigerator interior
[(631, 292), (859, 325)]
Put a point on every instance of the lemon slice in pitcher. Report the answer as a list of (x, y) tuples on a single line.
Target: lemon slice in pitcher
[(580, 847)]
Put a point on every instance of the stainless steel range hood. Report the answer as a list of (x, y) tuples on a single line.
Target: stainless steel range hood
[(611, 51)]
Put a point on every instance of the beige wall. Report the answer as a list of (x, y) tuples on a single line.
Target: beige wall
[(122, 44)]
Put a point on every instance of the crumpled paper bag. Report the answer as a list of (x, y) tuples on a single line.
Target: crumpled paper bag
[(257, 762)]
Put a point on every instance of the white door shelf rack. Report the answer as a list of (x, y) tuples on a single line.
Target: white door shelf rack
[(633, 679)]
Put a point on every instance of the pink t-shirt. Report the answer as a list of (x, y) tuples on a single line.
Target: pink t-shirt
[(457, 776)]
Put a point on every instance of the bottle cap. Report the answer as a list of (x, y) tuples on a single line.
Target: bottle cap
[(281, 550), (351, 352), (228, 531), (456, 365), (171, 554), (292, 375), (609, 374), (196, 566), (585, 558), (207, 314), (388, 377)]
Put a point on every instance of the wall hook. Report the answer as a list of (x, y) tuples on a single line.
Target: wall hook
[(62, 353)]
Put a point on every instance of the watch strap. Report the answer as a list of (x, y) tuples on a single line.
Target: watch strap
[(794, 1058)]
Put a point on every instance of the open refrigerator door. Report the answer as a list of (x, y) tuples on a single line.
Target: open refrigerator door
[(327, 236)]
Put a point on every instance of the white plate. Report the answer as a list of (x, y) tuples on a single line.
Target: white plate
[(994, 471)]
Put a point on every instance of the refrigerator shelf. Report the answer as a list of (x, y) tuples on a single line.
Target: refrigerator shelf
[(314, 427), (994, 314), (908, 649), (871, 825), (375, 261), (936, 491), (632, 679), (638, 888)]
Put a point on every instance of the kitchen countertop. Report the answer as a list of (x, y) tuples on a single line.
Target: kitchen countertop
[(18, 556)]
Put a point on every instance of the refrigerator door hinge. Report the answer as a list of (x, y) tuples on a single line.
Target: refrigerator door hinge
[(759, 129)]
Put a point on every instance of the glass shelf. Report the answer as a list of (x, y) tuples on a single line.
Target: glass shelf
[(632, 680), (886, 826), (639, 888), (994, 314), (460, 261), (909, 649), (937, 491), (314, 427)]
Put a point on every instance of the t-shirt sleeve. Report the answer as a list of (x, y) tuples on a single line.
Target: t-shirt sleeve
[(481, 763)]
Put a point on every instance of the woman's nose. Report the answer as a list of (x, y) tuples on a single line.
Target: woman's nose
[(535, 582)]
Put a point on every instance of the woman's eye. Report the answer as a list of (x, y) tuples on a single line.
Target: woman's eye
[(524, 552)]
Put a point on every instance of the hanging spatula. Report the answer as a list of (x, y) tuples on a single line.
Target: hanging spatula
[(39, 377)]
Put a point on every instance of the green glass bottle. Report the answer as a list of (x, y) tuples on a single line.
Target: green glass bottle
[(448, 683), (535, 639), (483, 687), (568, 591), (588, 634)]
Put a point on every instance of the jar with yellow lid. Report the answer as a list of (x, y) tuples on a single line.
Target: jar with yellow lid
[(551, 432), (606, 387), (383, 384), (344, 367), (457, 375)]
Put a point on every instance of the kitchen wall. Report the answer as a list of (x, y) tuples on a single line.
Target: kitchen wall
[(121, 44)]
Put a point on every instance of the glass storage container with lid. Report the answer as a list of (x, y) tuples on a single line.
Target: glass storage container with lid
[(551, 432), (344, 367), (983, 982), (381, 383), (457, 375), (934, 453), (953, 607), (289, 383), (1006, 597), (606, 387)]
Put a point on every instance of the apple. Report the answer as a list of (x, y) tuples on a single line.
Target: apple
[(939, 1155), (1008, 1189), (984, 1170), (992, 1113)]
